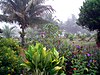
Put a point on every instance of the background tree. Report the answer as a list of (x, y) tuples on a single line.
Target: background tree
[(53, 19), (8, 32), (89, 16), (70, 26), (32, 33), (25, 12)]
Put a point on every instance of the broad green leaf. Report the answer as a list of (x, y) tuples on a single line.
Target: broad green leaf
[(56, 54)]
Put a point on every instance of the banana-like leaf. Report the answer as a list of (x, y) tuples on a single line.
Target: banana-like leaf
[(61, 59), (56, 54), (55, 70), (36, 59), (27, 64), (44, 60), (43, 54)]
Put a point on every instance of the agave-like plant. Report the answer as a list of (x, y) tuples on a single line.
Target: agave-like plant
[(41, 61), (8, 32)]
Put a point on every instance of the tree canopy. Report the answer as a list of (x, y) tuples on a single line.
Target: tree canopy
[(24, 12), (89, 16)]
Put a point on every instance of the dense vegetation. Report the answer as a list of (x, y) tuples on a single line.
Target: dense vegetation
[(43, 48), (89, 16)]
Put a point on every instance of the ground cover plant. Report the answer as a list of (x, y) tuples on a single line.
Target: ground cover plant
[(77, 58), (82, 60)]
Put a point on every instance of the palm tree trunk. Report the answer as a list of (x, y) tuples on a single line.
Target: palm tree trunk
[(98, 38), (23, 37)]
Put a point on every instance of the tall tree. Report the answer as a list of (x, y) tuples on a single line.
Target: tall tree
[(89, 16), (25, 12)]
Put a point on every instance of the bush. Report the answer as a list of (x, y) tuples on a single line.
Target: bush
[(10, 43), (9, 62)]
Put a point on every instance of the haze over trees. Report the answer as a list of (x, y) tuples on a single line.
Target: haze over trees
[(25, 12), (70, 26)]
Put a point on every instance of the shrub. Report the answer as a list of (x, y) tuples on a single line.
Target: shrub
[(10, 43), (43, 62), (9, 62)]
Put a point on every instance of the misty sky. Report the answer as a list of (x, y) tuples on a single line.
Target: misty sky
[(64, 8)]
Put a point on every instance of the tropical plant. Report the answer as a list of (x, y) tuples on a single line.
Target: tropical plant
[(50, 30), (43, 62), (10, 43), (9, 61), (48, 36), (24, 12), (8, 32), (89, 17)]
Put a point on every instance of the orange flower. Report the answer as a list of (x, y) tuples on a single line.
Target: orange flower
[(74, 69), (94, 61)]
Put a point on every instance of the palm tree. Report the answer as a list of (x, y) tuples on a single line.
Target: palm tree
[(25, 12), (8, 32)]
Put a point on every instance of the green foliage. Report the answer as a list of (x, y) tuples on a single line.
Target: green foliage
[(43, 62), (51, 30), (71, 37), (49, 37), (10, 43), (83, 65), (79, 61), (89, 16), (9, 61), (96, 56)]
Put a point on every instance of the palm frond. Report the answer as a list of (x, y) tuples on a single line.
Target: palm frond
[(38, 21), (7, 31), (3, 18), (38, 2), (6, 18), (39, 9), (14, 6), (29, 5), (12, 27)]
